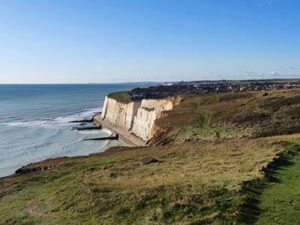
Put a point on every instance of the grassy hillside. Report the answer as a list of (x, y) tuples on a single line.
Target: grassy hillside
[(192, 184), (221, 163), (233, 115)]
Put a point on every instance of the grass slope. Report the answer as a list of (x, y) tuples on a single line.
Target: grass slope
[(192, 184), (232, 115), (280, 202)]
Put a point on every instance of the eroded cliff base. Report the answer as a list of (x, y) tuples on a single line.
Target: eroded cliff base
[(131, 139)]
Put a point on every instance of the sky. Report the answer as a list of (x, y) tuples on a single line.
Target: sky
[(108, 41)]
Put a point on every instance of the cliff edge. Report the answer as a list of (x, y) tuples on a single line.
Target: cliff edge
[(135, 121)]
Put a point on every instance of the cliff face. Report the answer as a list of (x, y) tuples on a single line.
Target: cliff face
[(118, 113), (148, 112), (137, 117)]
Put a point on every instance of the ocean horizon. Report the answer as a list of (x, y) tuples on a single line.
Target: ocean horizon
[(35, 121)]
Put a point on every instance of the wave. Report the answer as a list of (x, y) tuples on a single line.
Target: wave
[(86, 114), (36, 123), (102, 131), (56, 122)]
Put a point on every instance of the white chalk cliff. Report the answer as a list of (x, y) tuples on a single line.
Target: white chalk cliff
[(137, 117)]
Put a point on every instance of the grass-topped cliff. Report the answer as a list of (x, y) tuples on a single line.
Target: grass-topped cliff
[(225, 159), (121, 96)]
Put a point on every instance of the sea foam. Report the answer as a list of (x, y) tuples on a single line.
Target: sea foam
[(56, 122)]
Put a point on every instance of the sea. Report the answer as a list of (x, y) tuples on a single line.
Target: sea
[(35, 121)]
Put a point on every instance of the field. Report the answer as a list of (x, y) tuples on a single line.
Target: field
[(218, 163)]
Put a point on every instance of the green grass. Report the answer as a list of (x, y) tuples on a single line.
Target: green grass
[(121, 96), (280, 202), (192, 184)]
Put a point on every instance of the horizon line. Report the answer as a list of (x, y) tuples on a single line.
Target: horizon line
[(140, 82)]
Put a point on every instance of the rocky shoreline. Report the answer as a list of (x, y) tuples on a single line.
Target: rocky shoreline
[(127, 137)]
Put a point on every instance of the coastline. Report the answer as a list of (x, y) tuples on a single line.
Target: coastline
[(41, 126), (51, 163), (130, 139), (54, 163), (218, 172)]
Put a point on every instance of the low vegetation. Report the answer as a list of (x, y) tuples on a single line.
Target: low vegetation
[(122, 96), (280, 202), (219, 163), (233, 115)]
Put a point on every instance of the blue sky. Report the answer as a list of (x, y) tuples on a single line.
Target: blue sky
[(72, 41)]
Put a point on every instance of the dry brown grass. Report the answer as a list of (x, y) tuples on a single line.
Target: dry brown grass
[(227, 163), (232, 115)]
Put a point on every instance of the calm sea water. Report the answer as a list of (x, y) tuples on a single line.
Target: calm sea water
[(35, 122)]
